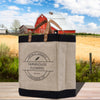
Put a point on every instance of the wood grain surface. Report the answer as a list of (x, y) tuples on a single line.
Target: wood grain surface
[(85, 91)]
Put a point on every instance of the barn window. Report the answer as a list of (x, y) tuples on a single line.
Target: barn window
[(55, 31)]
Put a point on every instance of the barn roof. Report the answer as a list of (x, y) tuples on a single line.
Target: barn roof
[(2, 28), (28, 26), (59, 19)]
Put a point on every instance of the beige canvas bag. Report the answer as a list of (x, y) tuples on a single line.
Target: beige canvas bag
[(47, 66)]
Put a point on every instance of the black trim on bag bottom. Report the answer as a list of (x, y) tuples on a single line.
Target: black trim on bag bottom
[(47, 94), (51, 37)]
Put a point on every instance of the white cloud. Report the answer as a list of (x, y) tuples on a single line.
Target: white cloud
[(13, 8), (89, 28), (23, 1), (73, 21), (3, 1), (9, 13), (88, 7), (76, 18), (28, 1), (76, 22), (28, 9), (28, 18), (7, 17), (56, 5), (92, 26), (9, 0)]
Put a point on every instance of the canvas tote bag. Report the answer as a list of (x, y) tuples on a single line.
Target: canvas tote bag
[(47, 69)]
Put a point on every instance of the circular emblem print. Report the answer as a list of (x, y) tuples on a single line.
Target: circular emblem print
[(38, 63)]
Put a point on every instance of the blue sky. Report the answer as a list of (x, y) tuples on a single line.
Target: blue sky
[(81, 15)]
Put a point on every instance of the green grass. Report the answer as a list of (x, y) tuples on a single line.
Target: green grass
[(81, 34), (2, 79), (4, 50), (8, 68), (83, 72), (8, 65), (87, 34)]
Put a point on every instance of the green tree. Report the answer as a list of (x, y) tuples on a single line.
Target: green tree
[(15, 26), (2, 26)]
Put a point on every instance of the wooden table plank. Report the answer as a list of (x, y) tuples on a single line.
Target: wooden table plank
[(85, 91)]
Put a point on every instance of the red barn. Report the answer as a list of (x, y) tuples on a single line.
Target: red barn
[(25, 29), (59, 19)]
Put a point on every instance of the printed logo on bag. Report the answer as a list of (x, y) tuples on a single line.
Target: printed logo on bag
[(38, 66)]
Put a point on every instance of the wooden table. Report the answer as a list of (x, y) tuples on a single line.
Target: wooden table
[(85, 91)]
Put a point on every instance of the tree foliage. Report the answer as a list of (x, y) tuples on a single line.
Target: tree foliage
[(2, 26), (83, 72), (15, 26)]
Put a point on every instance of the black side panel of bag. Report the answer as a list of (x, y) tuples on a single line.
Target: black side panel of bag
[(51, 37), (48, 94)]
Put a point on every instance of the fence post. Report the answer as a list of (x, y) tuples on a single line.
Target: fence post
[(90, 58)]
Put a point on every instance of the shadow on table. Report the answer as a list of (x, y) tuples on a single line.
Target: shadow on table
[(79, 85)]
